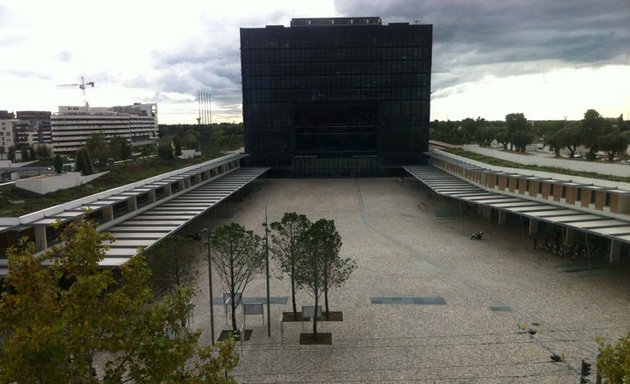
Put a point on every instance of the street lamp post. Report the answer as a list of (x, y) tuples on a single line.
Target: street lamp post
[(210, 283), (267, 273)]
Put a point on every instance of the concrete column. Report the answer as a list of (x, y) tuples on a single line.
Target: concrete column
[(479, 209), (487, 212), (615, 251), (132, 204), (40, 237), (108, 213), (533, 227), (502, 217), (569, 235)]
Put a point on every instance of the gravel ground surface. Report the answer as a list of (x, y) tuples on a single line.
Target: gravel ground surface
[(403, 249)]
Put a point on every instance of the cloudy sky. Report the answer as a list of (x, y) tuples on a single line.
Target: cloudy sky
[(549, 59)]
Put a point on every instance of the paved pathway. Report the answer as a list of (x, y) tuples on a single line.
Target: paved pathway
[(403, 250)]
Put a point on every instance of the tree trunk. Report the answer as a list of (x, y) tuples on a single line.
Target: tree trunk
[(232, 295), (326, 288), (315, 313), (326, 302), (233, 305), (293, 292)]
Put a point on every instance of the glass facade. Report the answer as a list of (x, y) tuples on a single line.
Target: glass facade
[(336, 98)]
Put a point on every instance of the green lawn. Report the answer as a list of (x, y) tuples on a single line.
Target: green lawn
[(16, 202)]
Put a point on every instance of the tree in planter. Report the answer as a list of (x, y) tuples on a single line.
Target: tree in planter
[(613, 363), (336, 269), (287, 247), (173, 264), (237, 255), (317, 267), (56, 320)]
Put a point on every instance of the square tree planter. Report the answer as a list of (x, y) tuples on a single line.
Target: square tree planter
[(323, 338), (226, 334)]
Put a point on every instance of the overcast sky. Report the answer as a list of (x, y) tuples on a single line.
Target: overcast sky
[(549, 59)]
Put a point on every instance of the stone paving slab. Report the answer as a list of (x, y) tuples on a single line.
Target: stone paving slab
[(403, 250)]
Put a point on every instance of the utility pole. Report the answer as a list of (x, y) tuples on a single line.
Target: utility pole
[(267, 273)]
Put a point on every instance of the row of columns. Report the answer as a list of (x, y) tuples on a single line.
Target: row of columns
[(570, 233)]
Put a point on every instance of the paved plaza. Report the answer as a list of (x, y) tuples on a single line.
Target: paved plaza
[(471, 295)]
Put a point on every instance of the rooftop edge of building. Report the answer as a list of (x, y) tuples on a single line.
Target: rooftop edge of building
[(339, 22)]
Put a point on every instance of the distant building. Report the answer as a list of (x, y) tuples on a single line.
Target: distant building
[(34, 128), (336, 96), (5, 115), (7, 136), (72, 126)]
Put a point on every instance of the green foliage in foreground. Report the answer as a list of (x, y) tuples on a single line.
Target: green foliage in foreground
[(73, 322), (613, 364)]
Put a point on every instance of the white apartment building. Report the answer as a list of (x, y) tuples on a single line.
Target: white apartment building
[(7, 136), (72, 126)]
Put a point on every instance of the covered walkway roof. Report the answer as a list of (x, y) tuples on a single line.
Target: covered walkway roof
[(448, 185), (151, 226), (138, 214)]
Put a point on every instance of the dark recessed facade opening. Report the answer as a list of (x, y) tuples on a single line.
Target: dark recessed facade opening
[(336, 96)]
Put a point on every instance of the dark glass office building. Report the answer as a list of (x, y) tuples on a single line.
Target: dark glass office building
[(336, 96)]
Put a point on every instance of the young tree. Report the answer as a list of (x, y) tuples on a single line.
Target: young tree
[(165, 150), (317, 268), (58, 163), (12, 153), (555, 141), (593, 126), (336, 269), (485, 135), (56, 320), (519, 133), (97, 145), (173, 264), (287, 247), (469, 129), (613, 363), (571, 136), (613, 143), (25, 154), (31, 153), (503, 137), (43, 152), (119, 148), (177, 143), (2, 150), (237, 254), (83, 162)]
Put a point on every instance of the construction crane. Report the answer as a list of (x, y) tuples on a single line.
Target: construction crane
[(82, 86)]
